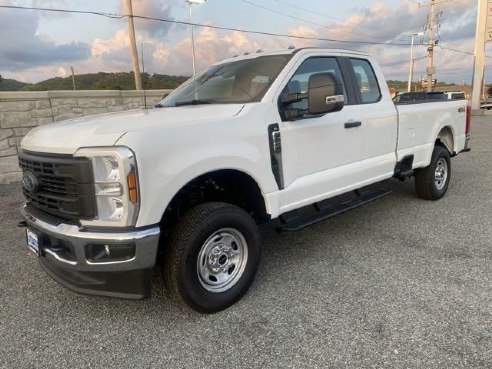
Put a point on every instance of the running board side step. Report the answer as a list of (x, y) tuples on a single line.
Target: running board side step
[(324, 211)]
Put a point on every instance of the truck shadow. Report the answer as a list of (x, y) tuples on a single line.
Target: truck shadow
[(330, 243)]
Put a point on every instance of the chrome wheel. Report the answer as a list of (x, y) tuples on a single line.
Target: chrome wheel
[(441, 173), (222, 260)]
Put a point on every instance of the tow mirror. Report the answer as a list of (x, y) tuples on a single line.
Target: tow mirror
[(325, 94)]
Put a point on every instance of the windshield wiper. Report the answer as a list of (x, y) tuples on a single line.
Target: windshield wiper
[(193, 102)]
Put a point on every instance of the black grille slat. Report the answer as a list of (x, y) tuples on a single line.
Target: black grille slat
[(65, 185), (54, 180), (58, 187)]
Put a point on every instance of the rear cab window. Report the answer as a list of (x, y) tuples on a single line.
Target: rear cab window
[(366, 82), (458, 96)]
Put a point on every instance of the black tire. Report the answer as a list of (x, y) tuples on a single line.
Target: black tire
[(426, 180), (183, 277)]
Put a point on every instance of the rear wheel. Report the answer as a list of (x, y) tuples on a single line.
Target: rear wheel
[(432, 181), (213, 257)]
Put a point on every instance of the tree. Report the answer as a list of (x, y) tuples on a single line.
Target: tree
[(1, 79)]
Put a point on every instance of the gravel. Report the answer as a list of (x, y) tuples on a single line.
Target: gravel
[(398, 283)]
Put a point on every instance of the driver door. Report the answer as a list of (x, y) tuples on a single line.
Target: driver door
[(321, 155)]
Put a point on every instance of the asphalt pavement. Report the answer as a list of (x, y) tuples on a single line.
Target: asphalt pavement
[(398, 283)]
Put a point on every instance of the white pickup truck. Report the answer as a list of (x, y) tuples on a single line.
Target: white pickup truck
[(294, 136)]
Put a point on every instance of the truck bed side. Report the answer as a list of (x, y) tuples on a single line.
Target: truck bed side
[(447, 120)]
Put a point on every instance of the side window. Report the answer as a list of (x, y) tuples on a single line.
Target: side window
[(298, 84), (366, 81)]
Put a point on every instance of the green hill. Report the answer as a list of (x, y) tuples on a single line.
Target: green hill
[(96, 81), (120, 81), (11, 85)]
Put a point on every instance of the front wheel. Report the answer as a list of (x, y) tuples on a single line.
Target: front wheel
[(213, 257), (432, 181)]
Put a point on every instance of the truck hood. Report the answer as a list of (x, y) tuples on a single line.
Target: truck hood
[(106, 129)]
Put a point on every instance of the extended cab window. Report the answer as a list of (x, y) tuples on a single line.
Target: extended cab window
[(367, 82), (298, 84)]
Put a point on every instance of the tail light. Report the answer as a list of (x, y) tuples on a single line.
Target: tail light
[(468, 119)]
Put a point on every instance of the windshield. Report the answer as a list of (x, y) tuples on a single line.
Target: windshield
[(239, 81)]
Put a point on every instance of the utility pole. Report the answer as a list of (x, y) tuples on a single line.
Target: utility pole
[(73, 77), (482, 36), (133, 45), (431, 69)]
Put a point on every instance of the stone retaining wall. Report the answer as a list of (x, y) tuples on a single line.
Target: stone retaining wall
[(22, 111)]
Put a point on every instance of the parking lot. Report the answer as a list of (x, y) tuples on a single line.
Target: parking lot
[(398, 283)]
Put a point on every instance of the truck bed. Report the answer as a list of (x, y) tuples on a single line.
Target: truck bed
[(414, 136)]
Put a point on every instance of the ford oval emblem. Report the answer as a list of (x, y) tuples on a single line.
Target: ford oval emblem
[(30, 182)]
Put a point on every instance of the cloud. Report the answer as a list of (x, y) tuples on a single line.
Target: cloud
[(27, 49), (167, 47), (155, 9), (53, 4), (378, 22), (171, 58), (102, 47)]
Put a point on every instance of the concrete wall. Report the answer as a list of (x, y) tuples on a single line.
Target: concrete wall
[(22, 111)]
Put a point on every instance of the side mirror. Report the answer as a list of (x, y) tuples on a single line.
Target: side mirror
[(325, 94)]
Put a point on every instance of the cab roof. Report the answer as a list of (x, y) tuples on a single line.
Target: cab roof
[(289, 51)]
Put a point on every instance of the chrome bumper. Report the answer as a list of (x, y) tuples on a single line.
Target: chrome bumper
[(129, 278)]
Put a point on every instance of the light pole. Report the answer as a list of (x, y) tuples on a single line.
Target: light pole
[(412, 62), (190, 2)]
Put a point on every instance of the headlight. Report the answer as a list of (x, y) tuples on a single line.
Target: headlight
[(115, 185)]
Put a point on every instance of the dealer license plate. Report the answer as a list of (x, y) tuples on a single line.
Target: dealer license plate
[(32, 241)]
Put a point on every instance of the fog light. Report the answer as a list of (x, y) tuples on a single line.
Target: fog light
[(103, 253)]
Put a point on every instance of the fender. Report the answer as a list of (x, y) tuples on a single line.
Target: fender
[(166, 182), (436, 135)]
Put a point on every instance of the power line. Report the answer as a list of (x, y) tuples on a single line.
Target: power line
[(107, 15), (306, 10), (307, 21), (461, 51), (121, 16), (264, 33), (172, 21)]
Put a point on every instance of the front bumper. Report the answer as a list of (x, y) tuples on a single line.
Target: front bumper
[(64, 256)]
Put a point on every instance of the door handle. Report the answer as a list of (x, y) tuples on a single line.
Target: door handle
[(352, 124)]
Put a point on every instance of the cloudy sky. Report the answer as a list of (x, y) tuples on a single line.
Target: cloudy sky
[(36, 45)]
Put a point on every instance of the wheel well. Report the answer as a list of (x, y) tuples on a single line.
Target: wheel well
[(231, 186), (445, 138)]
